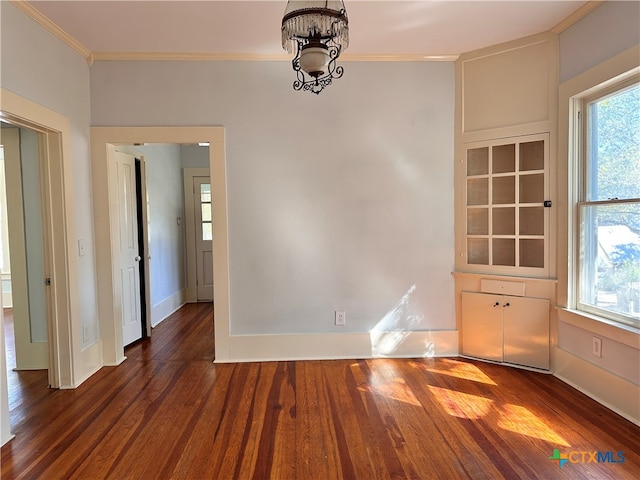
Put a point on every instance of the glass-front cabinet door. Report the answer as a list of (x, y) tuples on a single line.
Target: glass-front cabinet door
[(506, 205)]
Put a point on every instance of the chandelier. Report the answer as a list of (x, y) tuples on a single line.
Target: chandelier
[(316, 31)]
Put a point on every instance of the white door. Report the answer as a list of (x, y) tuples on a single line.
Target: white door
[(24, 222), (129, 256), (526, 332), (204, 237), (482, 325)]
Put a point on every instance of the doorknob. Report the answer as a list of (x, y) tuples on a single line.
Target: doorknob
[(138, 258)]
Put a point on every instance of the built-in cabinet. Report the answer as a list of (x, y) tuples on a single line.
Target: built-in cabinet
[(505, 195), (506, 198), (506, 328), (505, 232)]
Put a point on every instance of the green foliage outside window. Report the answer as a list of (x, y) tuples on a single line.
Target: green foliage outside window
[(610, 228)]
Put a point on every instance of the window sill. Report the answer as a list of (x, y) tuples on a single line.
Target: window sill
[(625, 334)]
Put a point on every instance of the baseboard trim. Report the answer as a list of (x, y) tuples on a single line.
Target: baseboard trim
[(507, 364), (166, 307), (115, 364), (605, 388), (326, 346), (80, 381), (30, 367), (89, 361), (7, 440)]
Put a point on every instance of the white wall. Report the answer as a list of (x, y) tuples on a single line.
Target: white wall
[(37, 66), (166, 236), (194, 156), (605, 32), (342, 201), (599, 47), (47, 72)]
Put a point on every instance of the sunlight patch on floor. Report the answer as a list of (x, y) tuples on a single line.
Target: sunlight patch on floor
[(462, 370), (393, 389), (385, 380), (518, 419), (461, 405)]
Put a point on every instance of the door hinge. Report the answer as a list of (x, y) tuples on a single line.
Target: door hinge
[(47, 281)]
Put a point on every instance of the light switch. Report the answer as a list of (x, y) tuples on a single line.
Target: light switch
[(81, 247)]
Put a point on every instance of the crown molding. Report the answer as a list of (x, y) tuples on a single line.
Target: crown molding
[(249, 57), (42, 20), (402, 57), (581, 12), (35, 14), (185, 56)]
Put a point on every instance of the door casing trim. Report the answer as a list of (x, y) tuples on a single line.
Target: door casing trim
[(57, 181), (110, 312)]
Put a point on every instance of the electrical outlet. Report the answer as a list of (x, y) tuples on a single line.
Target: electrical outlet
[(597, 347), (341, 318)]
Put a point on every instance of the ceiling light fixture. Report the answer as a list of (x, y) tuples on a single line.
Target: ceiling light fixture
[(316, 31)]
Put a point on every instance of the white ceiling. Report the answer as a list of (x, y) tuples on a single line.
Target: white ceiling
[(395, 28)]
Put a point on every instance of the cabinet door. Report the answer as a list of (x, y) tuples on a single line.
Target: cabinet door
[(505, 215), (526, 331), (482, 325)]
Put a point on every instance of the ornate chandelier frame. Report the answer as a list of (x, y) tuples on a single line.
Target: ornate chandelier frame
[(318, 35)]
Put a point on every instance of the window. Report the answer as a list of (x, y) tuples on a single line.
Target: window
[(205, 211), (608, 227)]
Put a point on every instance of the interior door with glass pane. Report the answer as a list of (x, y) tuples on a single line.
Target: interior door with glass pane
[(204, 238)]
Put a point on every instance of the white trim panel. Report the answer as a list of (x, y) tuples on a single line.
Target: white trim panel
[(92, 358), (331, 346), (163, 309), (5, 427)]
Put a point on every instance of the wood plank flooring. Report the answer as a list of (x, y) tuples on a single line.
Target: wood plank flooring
[(169, 412)]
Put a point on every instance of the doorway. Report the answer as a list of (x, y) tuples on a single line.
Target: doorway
[(57, 179), (24, 259), (199, 234), (204, 238), (110, 311), (57, 182)]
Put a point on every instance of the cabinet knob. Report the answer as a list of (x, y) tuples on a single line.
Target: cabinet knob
[(496, 304), (506, 304)]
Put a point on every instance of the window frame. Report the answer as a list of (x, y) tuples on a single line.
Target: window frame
[(580, 138)]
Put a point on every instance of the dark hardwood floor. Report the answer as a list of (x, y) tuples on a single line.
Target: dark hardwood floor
[(169, 412)]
